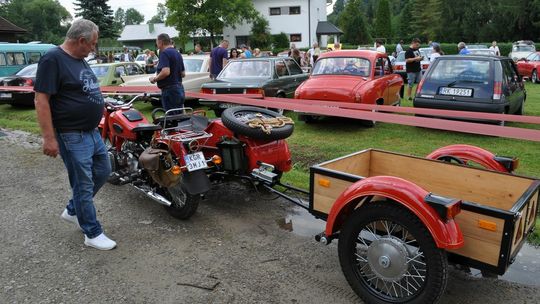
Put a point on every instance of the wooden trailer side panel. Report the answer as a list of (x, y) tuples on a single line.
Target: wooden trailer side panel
[(481, 244), (326, 190)]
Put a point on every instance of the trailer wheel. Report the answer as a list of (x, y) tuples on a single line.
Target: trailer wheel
[(388, 256)]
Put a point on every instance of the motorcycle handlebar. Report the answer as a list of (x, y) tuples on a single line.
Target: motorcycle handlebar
[(114, 103)]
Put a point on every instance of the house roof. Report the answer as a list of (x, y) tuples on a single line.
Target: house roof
[(327, 28), (6, 26), (146, 32), (139, 32)]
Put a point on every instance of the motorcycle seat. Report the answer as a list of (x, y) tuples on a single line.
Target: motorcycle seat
[(146, 127)]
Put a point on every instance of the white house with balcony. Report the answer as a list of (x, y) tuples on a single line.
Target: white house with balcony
[(299, 19)]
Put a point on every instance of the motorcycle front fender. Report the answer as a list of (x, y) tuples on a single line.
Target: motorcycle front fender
[(196, 182)]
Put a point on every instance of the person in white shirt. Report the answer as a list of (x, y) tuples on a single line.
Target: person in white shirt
[(313, 54), (379, 47), (495, 48), (399, 47), (437, 52), (126, 56)]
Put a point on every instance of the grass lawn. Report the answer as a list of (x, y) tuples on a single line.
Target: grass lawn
[(313, 143)]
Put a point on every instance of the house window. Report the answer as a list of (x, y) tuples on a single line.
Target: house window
[(295, 37), (274, 11), (294, 10), (242, 40)]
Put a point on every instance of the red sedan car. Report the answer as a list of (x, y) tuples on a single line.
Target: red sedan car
[(359, 76), (529, 67)]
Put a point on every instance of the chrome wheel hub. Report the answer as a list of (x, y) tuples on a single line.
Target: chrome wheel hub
[(388, 258)]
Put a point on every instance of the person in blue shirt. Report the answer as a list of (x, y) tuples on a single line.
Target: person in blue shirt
[(246, 53), (462, 48), (170, 71), (218, 58)]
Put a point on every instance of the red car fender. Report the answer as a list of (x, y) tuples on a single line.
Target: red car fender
[(470, 153), (446, 234)]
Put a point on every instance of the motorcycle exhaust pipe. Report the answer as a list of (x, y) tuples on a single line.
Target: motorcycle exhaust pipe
[(155, 196)]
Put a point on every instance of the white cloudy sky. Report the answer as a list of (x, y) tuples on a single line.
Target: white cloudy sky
[(147, 7)]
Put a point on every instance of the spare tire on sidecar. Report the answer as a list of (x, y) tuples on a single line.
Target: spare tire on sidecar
[(257, 123)]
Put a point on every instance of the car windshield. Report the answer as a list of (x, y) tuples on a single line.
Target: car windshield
[(100, 71), (481, 52), (400, 57), (246, 69), (193, 65), (477, 46), (28, 71), (522, 48), (463, 70), (342, 66)]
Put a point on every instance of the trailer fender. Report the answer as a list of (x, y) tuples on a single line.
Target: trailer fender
[(471, 153), (446, 234)]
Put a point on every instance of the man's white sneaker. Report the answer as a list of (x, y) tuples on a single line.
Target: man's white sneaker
[(70, 218), (101, 242)]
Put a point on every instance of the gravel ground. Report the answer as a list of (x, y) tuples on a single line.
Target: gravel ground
[(231, 251)]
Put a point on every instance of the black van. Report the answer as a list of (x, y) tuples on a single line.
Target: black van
[(472, 83)]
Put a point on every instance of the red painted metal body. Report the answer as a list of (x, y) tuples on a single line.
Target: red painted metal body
[(526, 67), (380, 87), (469, 153), (446, 234)]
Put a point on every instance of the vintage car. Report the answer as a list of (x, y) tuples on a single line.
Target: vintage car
[(111, 74), (358, 76), (528, 67), (24, 78), (197, 73), (472, 83), (522, 49), (273, 77)]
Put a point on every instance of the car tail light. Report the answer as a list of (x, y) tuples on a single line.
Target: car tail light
[(398, 68), (207, 91), (420, 85), (254, 91), (497, 90), (28, 82), (425, 66)]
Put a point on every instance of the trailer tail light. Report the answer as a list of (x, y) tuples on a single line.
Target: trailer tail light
[(420, 85), (254, 91), (216, 159), (497, 90), (176, 170), (510, 163), (446, 208), (207, 91)]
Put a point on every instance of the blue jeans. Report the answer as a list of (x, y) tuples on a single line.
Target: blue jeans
[(173, 97), (87, 162)]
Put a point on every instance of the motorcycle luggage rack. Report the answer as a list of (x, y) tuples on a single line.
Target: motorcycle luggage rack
[(188, 136)]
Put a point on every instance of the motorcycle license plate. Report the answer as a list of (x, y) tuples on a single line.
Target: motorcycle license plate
[(195, 161), (227, 105)]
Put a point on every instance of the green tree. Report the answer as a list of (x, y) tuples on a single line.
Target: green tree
[(405, 22), (161, 15), (133, 16), (383, 20), (280, 41), (427, 18), (46, 20), (353, 24), (260, 35), (211, 15), (99, 12), (338, 8)]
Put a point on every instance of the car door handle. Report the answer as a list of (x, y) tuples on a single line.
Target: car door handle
[(114, 82)]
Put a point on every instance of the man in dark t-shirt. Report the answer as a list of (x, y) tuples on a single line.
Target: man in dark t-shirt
[(69, 106), (170, 71), (412, 65), (218, 58)]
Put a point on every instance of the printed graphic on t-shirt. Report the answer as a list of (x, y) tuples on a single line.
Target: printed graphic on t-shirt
[(91, 86)]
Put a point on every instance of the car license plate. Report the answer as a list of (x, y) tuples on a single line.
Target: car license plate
[(227, 105), (456, 92), (195, 161), (5, 95)]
